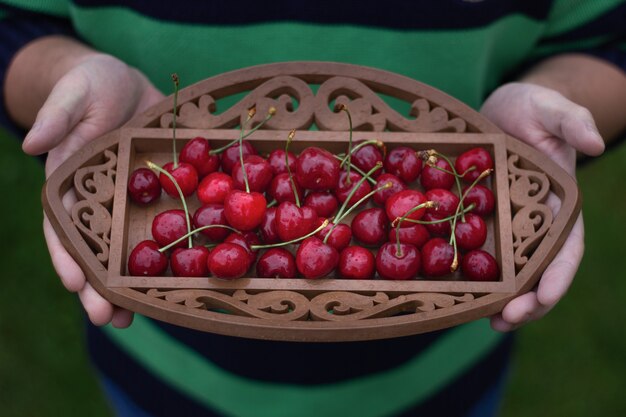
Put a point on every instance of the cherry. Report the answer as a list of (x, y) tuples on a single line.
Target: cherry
[(356, 262), (280, 189), (211, 214), (229, 261), (293, 222), (244, 211), (185, 175), (415, 234), (231, 155), (190, 262), (437, 258), (436, 178), (397, 185), (439, 228), (214, 188), (400, 203), (258, 171), (471, 233), (276, 263), (404, 163), (482, 198), (447, 202), (146, 260), (267, 228), (143, 186), (317, 169), (366, 154), (395, 265), (345, 187), (169, 226), (196, 153), (323, 202), (478, 158), (276, 159), (315, 259), (478, 265), (245, 240), (340, 234), (369, 226)]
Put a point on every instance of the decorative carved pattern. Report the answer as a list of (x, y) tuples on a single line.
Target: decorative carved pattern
[(369, 111), (95, 187), (532, 219), (290, 305)]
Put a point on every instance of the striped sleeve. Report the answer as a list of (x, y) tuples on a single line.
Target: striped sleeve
[(17, 28)]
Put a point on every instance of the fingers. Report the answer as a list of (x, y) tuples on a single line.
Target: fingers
[(63, 109), (99, 310), (66, 268), (568, 121), (122, 318)]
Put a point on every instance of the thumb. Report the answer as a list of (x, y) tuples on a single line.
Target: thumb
[(570, 122), (64, 108)]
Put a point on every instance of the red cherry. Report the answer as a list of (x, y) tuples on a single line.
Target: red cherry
[(472, 233), (258, 171), (293, 222), (483, 199), (344, 188), (276, 263), (323, 202), (356, 262), (314, 259), (228, 260), (397, 185), (317, 169), (340, 236), (186, 177), (244, 211), (435, 178), (276, 159), (280, 189), (478, 265), (415, 234), (447, 202), (391, 266), (245, 240), (146, 260), (196, 153), (169, 226), (437, 257), (144, 186), (437, 229), (210, 214), (404, 163), (475, 157), (400, 203), (190, 262), (366, 158), (231, 155), (214, 188), (370, 226), (268, 230)]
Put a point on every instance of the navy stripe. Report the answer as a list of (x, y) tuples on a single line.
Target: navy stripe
[(280, 359), (396, 14)]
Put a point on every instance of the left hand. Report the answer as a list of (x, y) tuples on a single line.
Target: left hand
[(556, 126)]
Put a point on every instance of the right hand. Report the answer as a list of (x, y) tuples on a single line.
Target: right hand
[(96, 96)]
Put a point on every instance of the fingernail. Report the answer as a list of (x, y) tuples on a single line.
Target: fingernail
[(36, 126)]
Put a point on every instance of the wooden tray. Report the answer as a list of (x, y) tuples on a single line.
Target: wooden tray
[(102, 226)]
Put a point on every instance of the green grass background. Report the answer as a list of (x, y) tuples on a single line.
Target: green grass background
[(572, 363)]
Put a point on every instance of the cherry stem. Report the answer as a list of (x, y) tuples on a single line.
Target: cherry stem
[(277, 245), (218, 151), (251, 113), (376, 142), (291, 181), (154, 166), (272, 203), (174, 153), (453, 173), (427, 204), (445, 219), (348, 157), (357, 169), (356, 187), (193, 232), (338, 220)]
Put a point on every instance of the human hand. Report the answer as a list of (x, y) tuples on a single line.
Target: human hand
[(96, 96), (554, 125)]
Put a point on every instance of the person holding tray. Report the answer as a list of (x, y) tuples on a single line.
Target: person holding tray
[(548, 72)]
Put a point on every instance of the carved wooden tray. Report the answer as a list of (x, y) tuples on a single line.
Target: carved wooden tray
[(101, 227)]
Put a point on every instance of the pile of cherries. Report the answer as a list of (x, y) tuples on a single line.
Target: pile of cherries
[(359, 215)]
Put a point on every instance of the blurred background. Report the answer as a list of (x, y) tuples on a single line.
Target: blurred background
[(572, 363)]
